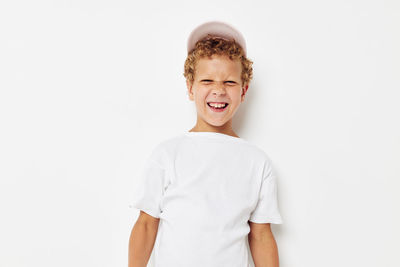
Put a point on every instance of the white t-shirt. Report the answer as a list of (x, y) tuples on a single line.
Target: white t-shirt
[(204, 187)]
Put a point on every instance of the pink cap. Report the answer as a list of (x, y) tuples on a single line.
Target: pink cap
[(215, 28)]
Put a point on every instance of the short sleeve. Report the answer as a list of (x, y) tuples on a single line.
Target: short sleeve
[(148, 195), (266, 210)]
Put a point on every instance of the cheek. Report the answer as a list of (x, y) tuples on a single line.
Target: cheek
[(200, 101), (235, 97), (201, 97)]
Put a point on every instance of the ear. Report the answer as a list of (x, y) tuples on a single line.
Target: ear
[(189, 86), (244, 90)]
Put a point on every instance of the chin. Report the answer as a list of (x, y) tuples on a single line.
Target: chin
[(217, 123)]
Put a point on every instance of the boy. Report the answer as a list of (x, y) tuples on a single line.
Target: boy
[(206, 192)]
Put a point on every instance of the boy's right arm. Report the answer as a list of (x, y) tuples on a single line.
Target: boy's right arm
[(142, 240)]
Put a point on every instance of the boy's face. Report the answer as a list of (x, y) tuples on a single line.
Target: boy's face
[(216, 80)]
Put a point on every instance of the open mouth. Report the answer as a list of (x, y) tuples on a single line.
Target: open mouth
[(217, 106)]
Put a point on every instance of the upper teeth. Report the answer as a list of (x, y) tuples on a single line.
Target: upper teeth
[(217, 105)]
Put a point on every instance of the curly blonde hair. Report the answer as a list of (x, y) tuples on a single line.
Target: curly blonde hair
[(211, 45)]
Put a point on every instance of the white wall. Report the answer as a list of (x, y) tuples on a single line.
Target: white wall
[(88, 88)]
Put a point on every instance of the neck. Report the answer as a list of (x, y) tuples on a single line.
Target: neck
[(205, 127)]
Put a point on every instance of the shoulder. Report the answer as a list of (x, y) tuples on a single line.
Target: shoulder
[(168, 143), (165, 148), (262, 157), (257, 151)]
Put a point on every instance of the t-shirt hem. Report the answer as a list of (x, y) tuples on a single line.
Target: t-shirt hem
[(266, 220), (149, 211)]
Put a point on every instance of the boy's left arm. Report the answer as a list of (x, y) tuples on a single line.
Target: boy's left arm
[(263, 245)]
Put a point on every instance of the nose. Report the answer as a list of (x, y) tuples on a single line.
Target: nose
[(219, 87)]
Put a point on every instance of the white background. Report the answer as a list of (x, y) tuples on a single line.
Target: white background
[(88, 88)]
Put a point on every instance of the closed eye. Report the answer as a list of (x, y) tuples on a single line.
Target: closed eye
[(209, 82), (212, 80), (231, 83), (206, 80)]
